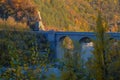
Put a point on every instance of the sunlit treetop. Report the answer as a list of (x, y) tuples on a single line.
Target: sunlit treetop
[(19, 9)]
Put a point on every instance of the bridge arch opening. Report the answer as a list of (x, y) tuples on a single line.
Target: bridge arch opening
[(85, 40), (86, 48), (114, 43), (66, 43)]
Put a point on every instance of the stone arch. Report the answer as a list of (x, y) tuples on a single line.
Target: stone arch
[(85, 39), (61, 38), (68, 40), (113, 42), (86, 48), (60, 49)]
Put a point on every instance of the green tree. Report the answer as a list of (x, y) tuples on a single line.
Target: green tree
[(20, 55), (102, 66), (101, 49), (72, 68)]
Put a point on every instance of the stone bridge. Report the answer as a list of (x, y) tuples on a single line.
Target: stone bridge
[(56, 38)]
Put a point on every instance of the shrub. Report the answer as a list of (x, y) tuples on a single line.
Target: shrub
[(20, 55), (11, 24)]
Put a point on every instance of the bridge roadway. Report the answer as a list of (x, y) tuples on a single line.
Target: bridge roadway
[(56, 38)]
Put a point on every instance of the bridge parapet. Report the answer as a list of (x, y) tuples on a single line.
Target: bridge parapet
[(114, 35)]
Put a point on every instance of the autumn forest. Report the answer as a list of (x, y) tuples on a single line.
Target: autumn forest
[(72, 15), (27, 54)]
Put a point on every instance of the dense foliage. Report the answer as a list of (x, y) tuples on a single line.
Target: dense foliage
[(102, 65), (23, 11), (72, 15), (25, 55), (20, 54), (78, 15)]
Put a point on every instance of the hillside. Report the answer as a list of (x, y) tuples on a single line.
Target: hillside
[(65, 15), (77, 15)]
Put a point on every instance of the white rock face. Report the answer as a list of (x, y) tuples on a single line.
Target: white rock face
[(41, 26)]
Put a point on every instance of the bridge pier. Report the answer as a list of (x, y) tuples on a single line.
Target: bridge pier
[(59, 50), (52, 43)]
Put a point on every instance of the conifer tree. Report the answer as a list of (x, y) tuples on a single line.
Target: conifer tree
[(100, 51), (105, 64)]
